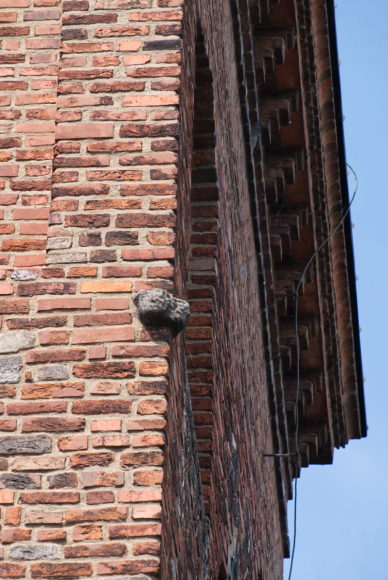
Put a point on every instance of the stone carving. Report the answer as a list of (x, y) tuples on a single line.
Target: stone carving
[(16, 340), (34, 552), (25, 274), (158, 309), (9, 369), (18, 445), (53, 373)]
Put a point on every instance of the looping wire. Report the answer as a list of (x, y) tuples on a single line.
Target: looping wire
[(296, 294)]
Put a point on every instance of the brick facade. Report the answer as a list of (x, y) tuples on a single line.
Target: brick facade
[(126, 164)]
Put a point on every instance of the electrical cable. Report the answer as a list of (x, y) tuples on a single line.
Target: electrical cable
[(298, 363)]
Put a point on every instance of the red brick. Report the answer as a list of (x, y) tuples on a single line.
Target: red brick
[(8, 198), (154, 16), (12, 570), (97, 352), (147, 387), (61, 570), (44, 517), (105, 388), (32, 408), (52, 390), (111, 441), (153, 369), (103, 478), (119, 146), (43, 356), (76, 47), (145, 424), (94, 550), (148, 189), (151, 548), (149, 477), (109, 514), (6, 289), (105, 425), (141, 458), (13, 516), (134, 530), (84, 131), (51, 425), (8, 306), (92, 458), (120, 370), (64, 304), (137, 350), (147, 440), (6, 497), (152, 512), (128, 567), (98, 497), (51, 535), (49, 497), (50, 337), (150, 101), (16, 535), (102, 406), (87, 532), (139, 496), (103, 335), (76, 443)]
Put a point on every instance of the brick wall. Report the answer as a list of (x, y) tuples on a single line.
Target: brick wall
[(89, 118), (126, 164)]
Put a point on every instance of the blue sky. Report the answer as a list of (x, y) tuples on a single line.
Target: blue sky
[(343, 508)]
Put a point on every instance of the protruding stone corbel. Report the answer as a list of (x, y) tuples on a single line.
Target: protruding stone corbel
[(158, 309)]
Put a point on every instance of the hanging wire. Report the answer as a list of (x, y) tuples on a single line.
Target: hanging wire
[(298, 364)]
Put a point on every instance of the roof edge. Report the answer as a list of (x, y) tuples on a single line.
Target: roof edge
[(332, 34)]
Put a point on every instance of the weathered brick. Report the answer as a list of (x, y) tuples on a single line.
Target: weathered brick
[(60, 480), (142, 458), (32, 408), (149, 477), (151, 548), (95, 550), (52, 390), (111, 441), (55, 355), (109, 514), (103, 406), (49, 497), (61, 570), (12, 516), (87, 532), (51, 425), (103, 478), (92, 458), (133, 530), (50, 535), (120, 370), (44, 517), (129, 567)]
